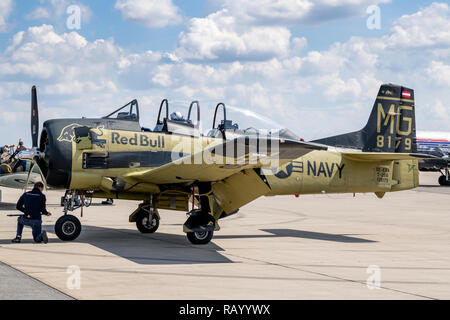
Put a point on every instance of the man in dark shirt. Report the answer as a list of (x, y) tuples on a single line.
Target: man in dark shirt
[(32, 204)]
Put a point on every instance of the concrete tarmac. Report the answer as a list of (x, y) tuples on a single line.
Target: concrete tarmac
[(311, 247)]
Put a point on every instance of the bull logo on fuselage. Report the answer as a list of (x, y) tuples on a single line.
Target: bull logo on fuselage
[(95, 136), (68, 134)]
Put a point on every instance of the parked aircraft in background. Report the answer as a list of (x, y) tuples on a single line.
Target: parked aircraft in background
[(437, 144)]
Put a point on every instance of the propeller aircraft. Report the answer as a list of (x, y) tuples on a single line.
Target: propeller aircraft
[(174, 166)]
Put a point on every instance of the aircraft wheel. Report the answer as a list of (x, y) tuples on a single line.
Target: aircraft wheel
[(68, 228), (443, 181), (200, 237), (145, 224)]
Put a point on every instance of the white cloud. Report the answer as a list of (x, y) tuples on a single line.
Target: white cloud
[(150, 13), (39, 13), (314, 93), (429, 27), (219, 37), (48, 57), (256, 30), (5, 10), (439, 73), (288, 12)]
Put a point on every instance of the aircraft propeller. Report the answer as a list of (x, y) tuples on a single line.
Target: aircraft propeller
[(36, 154)]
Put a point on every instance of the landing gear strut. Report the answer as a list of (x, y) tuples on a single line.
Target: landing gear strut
[(73, 200), (202, 222)]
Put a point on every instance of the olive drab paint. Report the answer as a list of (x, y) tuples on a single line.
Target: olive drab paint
[(115, 158)]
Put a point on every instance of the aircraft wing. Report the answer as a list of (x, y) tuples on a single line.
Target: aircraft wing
[(19, 180), (221, 161), (384, 156)]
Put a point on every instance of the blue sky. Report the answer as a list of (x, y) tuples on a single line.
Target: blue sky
[(311, 65), (107, 22)]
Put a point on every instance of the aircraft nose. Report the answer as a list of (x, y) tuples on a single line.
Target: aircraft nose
[(56, 160)]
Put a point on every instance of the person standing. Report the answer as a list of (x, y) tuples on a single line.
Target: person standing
[(20, 163), (32, 204), (6, 156)]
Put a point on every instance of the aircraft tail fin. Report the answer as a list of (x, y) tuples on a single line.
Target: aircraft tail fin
[(391, 126)]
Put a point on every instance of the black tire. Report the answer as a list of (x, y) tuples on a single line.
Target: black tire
[(200, 237), (143, 224), (68, 228), (443, 181)]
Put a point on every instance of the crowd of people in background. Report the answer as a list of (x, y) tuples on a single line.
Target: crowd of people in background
[(7, 158)]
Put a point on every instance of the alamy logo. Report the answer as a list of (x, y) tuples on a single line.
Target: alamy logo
[(374, 279), (374, 20), (74, 19), (74, 279)]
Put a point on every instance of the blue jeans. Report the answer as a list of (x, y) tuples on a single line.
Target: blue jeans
[(20, 163), (36, 225)]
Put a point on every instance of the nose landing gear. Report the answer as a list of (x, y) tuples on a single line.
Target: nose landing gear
[(68, 228)]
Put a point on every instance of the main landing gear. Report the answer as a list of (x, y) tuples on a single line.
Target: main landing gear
[(200, 227), (203, 237), (444, 179), (202, 222), (147, 219)]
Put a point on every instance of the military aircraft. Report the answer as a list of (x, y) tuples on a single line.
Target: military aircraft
[(438, 145), (174, 165), (17, 179)]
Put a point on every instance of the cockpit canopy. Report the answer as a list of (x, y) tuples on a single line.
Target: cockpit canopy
[(176, 123), (130, 111), (223, 127), (259, 126)]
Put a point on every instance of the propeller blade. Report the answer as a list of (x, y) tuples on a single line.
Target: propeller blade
[(30, 171), (34, 118), (29, 174), (44, 181)]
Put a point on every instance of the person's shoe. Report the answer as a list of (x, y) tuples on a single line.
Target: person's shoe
[(44, 237), (108, 202), (16, 240)]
